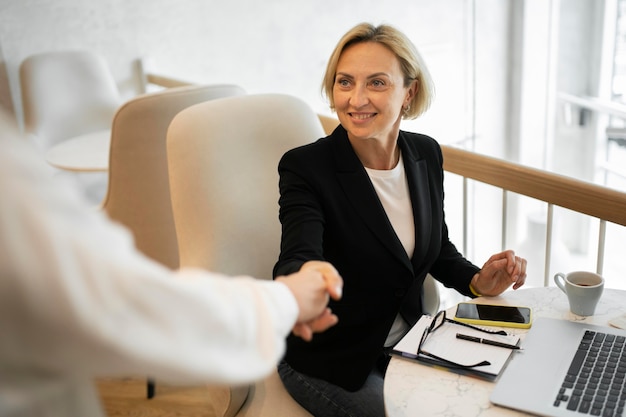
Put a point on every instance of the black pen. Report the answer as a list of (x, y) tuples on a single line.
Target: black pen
[(486, 341)]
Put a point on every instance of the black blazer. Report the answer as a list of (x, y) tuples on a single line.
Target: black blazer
[(329, 211)]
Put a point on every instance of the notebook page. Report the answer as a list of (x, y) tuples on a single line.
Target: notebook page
[(444, 343)]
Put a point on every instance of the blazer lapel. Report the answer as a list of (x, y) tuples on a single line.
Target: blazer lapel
[(417, 178), (360, 192)]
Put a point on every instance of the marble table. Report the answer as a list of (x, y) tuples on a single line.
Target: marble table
[(412, 389)]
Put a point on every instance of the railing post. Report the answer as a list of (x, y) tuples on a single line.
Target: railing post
[(465, 220), (504, 218), (601, 243), (546, 272)]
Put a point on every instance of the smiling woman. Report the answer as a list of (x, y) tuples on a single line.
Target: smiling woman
[(410, 61), (369, 199)]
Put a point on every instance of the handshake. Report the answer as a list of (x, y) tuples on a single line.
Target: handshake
[(312, 286)]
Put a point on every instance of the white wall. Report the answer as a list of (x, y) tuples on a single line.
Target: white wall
[(276, 46)]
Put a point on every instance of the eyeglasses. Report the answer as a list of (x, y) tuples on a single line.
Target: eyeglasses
[(438, 321)]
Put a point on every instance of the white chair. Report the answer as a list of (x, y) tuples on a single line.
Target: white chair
[(432, 298), (66, 94), (70, 95), (223, 157)]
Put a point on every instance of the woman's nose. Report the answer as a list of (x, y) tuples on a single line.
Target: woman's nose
[(359, 97)]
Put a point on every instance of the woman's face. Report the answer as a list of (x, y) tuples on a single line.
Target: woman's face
[(369, 92)]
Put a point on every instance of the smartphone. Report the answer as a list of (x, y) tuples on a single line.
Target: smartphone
[(494, 315)]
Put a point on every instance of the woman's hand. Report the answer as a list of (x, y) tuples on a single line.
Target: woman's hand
[(500, 272), (312, 286)]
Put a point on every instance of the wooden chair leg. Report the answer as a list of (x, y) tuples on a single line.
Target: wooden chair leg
[(151, 388)]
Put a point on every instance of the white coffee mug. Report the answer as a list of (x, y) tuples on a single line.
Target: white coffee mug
[(583, 290)]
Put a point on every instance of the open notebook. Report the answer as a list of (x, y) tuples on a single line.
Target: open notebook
[(444, 344)]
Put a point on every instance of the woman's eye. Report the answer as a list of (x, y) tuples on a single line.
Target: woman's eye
[(378, 83), (343, 83)]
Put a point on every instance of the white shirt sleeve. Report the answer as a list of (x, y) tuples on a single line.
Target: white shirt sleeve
[(76, 297)]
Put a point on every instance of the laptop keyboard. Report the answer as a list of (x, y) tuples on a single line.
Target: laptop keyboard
[(594, 384)]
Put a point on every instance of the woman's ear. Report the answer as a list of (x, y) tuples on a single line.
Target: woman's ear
[(412, 91)]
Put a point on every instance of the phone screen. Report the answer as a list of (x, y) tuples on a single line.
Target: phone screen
[(507, 314)]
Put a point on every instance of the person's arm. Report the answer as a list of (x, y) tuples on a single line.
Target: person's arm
[(301, 217), (451, 267), (499, 272), (77, 297)]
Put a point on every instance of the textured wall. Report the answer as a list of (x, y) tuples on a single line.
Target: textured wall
[(270, 46)]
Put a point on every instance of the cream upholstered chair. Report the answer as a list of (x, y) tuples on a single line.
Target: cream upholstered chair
[(138, 193), (66, 94), (138, 186), (432, 298), (223, 157), (329, 123)]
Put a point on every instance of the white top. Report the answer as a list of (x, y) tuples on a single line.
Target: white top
[(77, 301), (393, 191)]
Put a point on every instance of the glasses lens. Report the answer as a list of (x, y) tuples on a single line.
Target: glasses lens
[(424, 336), (438, 320)]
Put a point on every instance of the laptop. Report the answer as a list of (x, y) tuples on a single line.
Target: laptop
[(536, 380)]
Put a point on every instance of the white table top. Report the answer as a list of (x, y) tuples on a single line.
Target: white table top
[(412, 389), (89, 152)]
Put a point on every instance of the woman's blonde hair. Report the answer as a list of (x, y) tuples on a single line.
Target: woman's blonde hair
[(411, 63)]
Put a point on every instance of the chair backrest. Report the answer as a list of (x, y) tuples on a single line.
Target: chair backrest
[(66, 94), (223, 157), (138, 193), (432, 297), (329, 123)]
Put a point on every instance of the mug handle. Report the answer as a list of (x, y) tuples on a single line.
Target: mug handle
[(559, 280)]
